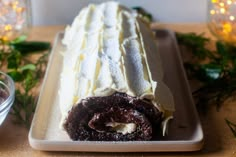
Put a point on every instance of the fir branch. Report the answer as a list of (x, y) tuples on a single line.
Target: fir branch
[(218, 74)]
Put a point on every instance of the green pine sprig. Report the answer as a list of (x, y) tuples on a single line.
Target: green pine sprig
[(15, 61), (215, 69)]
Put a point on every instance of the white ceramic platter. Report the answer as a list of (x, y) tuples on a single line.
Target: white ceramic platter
[(185, 131)]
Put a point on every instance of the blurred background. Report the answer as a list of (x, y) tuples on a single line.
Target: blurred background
[(54, 12)]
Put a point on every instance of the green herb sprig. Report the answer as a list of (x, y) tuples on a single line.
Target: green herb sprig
[(215, 69), (16, 60)]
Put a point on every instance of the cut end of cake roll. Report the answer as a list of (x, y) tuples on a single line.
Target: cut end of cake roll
[(117, 117), (111, 82)]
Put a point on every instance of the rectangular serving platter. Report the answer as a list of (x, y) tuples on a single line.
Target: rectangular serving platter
[(184, 132)]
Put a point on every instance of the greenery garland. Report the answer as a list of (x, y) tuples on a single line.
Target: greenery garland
[(215, 69), (16, 61)]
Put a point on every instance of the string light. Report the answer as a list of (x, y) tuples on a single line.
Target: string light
[(222, 10), (231, 18), (12, 18), (222, 19), (222, 4), (212, 12), (19, 10), (229, 2), (8, 27), (227, 28), (214, 1)]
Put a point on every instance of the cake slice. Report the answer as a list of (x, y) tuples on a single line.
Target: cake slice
[(111, 85)]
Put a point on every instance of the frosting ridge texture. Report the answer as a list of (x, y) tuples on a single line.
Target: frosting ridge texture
[(110, 49)]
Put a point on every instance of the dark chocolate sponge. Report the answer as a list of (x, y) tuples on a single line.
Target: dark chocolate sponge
[(86, 120)]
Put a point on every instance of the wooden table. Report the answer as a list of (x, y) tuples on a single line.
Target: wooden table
[(219, 141)]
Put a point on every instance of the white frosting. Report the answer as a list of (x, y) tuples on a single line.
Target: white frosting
[(106, 52)]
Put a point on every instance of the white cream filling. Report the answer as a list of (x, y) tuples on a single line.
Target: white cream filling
[(124, 128)]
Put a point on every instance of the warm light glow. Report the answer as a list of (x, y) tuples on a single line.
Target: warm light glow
[(222, 4), (4, 38), (231, 18), (19, 10), (212, 12), (229, 2), (227, 28), (16, 3), (222, 10), (8, 27), (214, 1), (14, 7)]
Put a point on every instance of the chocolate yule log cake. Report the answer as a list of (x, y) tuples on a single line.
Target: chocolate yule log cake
[(111, 85)]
